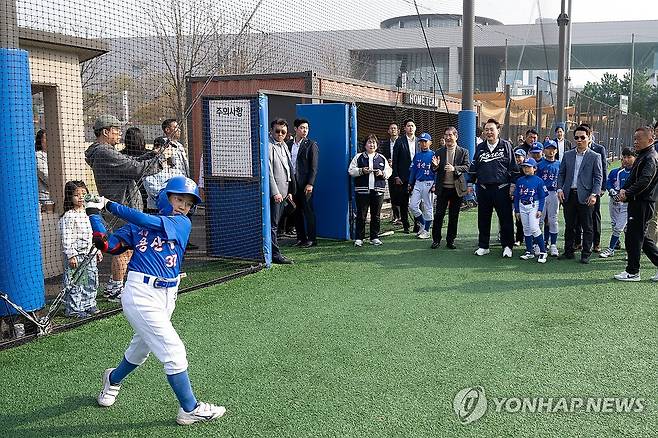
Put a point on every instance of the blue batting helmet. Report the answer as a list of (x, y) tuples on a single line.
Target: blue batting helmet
[(179, 185)]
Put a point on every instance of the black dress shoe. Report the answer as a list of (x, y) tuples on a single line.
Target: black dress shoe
[(584, 260), (300, 243), (282, 260), (450, 245), (406, 231), (435, 245), (566, 256), (308, 244)]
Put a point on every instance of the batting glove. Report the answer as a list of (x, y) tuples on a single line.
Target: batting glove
[(94, 204)]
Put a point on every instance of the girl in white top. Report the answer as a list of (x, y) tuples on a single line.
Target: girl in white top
[(75, 229)]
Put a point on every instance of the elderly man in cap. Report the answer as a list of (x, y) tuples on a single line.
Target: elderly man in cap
[(116, 177)]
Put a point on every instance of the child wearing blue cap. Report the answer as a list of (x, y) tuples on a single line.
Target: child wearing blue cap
[(421, 185), (529, 198), (536, 151), (548, 170)]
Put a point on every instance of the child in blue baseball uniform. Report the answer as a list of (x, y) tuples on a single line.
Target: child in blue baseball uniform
[(519, 157), (529, 196), (421, 185), (618, 210), (149, 296), (548, 169)]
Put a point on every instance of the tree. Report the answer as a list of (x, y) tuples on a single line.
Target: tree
[(608, 90), (194, 39)]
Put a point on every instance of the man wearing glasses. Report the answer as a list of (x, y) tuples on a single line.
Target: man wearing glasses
[(578, 188), (282, 182), (116, 177)]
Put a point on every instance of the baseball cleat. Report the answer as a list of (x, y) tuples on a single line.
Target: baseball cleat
[(109, 393), (607, 253), (507, 252), (202, 412), (654, 278), (358, 243), (482, 251), (375, 242), (553, 252), (527, 256), (424, 234), (625, 276), (542, 257)]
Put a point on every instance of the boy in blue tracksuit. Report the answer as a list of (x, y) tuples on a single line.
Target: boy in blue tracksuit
[(548, 169), (421, 185), (529, 196), (618, 210)]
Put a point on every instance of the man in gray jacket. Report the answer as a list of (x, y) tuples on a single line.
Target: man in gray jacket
[(116, 177), (578, 188), (282, 181)]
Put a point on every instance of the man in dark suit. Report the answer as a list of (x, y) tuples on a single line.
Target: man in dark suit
[(304, 159), (403, 153), (563, 144), (386, 149), (579, 186), (450, 163)]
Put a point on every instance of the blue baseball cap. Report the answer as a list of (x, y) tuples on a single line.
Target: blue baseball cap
[(529, 162), (550, 144), (424, 137), (520, 152), (537, 145)]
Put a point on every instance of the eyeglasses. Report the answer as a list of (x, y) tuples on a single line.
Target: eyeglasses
[(280, 131), (580, 137)]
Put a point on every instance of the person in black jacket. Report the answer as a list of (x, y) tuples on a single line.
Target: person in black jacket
[(495, 171), (640, 193), (403, 152), (386, 148), (304, 158)]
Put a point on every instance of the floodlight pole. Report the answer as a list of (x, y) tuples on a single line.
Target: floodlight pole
[(466, 117), (562, 22), (8, 27)]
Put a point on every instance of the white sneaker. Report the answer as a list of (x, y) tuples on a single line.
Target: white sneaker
[(482, 251), (607, 253), (420, 231), (527, 256), (376, 242), (507, 252), (625, 276), (654, 278), (542, 257), (536, 249), (553, 252), (202, 412), (109, 393), (358, 242), (424, 235)]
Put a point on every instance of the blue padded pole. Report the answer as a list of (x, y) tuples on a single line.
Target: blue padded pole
[(352, 152), (466, 129), (265, 177), (21, 275)]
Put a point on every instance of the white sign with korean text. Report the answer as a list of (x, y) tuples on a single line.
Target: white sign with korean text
[(230, 138)]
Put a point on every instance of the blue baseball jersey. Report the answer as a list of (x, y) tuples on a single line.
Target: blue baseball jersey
[(421, 167), (529, 188), (617, 178), (548, 172), (158, 243)]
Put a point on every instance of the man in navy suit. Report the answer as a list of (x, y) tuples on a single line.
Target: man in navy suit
[(578, 189), (304, 159), (403, 153)]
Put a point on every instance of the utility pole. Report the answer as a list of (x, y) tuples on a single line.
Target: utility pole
[(630, 96), (562, 22), (567, 64), (466, 117)]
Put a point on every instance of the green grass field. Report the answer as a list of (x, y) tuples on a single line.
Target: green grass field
[(373, 342)]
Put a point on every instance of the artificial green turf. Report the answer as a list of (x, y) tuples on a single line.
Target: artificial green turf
[(369, 342)]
